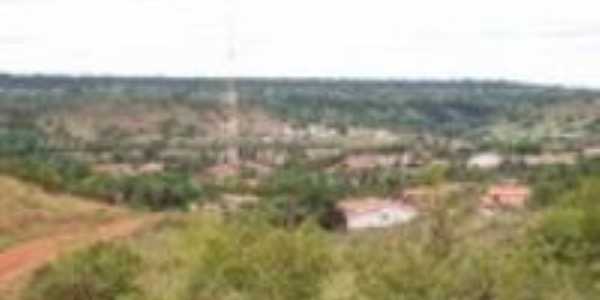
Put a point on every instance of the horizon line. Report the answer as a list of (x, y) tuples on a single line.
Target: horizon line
[(322, 78)]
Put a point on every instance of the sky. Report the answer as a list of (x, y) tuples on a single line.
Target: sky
[(542, 41)]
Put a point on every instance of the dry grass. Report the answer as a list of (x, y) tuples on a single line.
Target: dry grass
[(28, 212)]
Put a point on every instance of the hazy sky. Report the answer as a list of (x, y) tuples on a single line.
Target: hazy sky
[(534, 40)]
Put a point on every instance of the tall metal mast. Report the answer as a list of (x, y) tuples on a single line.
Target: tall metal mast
[(232, 126)]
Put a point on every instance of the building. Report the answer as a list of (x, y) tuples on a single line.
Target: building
[(111, 169), (126, 169), (485, 161), (423, 197), (550, 159), (221, 172), (370, 161), (270, 156), (505, 197), (322, 153), (591, 152), (151, 168), (373, 213), (235, 202)]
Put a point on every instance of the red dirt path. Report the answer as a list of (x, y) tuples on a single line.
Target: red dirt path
[(19, 261)]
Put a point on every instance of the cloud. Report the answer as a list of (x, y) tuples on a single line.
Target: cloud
[(545, 41)]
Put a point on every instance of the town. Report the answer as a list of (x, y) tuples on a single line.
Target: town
[(233, 188)]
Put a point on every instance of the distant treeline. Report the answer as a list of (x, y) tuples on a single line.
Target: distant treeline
[(441, 106)]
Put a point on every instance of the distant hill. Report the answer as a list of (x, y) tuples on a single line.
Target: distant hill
[(462, 108)]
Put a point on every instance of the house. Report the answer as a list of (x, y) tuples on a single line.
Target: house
[(373, 213), (235, 202), (322, 153), (126, 169), (550, 159), (271, 156), (370, 161), (423, 197), (320, 131), (221, 172), (361, 133), (411, 160), (260, 170), (591, 152), (485, 161), (151, 168), (111, 169), (505, 196)]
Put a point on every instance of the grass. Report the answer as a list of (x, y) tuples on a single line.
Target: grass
[(28, 212), (195, 257), (447, 253)]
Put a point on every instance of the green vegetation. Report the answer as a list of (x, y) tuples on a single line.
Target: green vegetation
[(27, 158), (27, 212), (104, 272), (294, 194), (58, 132), (244, 257), (173, 107)]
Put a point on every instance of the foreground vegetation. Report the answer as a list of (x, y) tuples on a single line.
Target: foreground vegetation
[(446, 254)]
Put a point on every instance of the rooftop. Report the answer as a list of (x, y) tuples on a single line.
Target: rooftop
[(366, 205)]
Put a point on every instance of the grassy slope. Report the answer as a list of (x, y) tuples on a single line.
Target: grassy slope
[(27, 212), (198, 257)]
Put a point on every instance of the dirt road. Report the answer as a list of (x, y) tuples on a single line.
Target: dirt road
[(18, 262)]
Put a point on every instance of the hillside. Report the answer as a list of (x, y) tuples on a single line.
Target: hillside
[(28, 212), (418, 105), (478, 190)]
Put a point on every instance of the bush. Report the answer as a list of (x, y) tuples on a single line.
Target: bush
[(104, 272), (295, 194), (260, 262), (568, 234)]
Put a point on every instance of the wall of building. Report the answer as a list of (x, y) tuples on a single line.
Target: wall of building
[(380, 218)]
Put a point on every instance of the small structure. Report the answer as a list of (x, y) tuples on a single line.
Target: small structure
[(422, 197), (485, 161), (260, 170), (272, 156), (322, 153), (505, 197), (550, 159), (114, 169), (235, 202), (151, 168), (126, 169), (373, 213), (591, 152), (221, 172), (370, 161)]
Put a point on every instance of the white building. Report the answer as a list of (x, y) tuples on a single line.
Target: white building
[(485, 161), (592, 152), (375, 213), (550, 159)]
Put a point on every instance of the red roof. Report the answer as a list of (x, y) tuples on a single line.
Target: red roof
[(510, 195), (509, 190), (223, 170)]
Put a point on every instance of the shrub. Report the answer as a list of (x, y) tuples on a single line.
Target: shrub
[(104, 272), (260, 262)]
